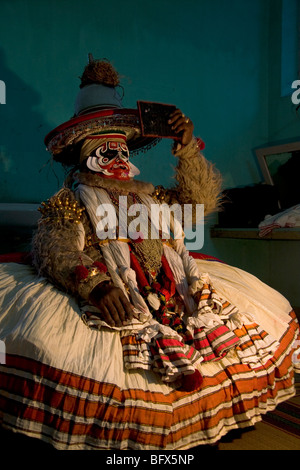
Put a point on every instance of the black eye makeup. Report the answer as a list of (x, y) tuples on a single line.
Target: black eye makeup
[(105, 156)]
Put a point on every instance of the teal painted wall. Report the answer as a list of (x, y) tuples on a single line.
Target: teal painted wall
[(284, 67), (276, 263), (209, 57), (217, 60)]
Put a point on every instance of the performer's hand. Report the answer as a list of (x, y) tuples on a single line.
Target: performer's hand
[(182, 125), (112, 303)]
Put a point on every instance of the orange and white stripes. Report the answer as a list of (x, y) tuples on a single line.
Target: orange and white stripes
[(75, 412)]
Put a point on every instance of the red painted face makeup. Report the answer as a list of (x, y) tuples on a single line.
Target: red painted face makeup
[(112, 160), (108, 155)]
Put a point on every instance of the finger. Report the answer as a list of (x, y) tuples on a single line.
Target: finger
[(180, 127), (113, 312), (175, 113), (182, 123), (106, 316), (120, 310), (127, 306), (176, 116)]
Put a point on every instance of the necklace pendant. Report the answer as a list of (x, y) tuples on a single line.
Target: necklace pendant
[(152, 276)]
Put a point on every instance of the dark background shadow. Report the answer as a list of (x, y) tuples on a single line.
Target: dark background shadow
[(27, 174), (26, 171)]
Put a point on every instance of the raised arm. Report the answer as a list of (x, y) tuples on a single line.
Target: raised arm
[(197, 179)]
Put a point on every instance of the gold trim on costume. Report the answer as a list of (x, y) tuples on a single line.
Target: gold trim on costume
[(57, 210)]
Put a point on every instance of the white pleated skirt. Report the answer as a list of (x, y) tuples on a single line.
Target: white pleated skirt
[(66, 384)]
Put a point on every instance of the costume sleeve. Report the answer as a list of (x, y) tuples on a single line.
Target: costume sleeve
[(198, 181), (60, 247)]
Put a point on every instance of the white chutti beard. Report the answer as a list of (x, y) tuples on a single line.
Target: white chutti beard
[(93, 164)]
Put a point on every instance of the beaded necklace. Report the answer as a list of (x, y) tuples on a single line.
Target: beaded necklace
[(148, 251)]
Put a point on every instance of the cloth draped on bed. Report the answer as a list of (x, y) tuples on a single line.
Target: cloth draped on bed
[(82, 388)]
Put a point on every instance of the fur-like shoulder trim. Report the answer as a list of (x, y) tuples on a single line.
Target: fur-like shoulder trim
[(132, 186)]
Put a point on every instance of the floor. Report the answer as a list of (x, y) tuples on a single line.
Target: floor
[(260, 437)]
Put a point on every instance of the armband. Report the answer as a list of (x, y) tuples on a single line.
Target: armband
[(57, 209)]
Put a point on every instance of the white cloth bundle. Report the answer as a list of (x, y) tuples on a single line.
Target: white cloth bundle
[(288, 218)]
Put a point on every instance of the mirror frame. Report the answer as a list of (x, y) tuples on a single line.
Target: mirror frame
[(263, 153)]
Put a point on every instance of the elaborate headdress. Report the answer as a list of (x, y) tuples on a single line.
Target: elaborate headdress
[(98, 107)]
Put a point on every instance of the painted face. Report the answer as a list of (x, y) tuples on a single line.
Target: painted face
[(111, 159)]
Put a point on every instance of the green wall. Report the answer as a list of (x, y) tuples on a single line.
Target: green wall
[(217, 60), (209, 57), (274, 262), (284, 67)]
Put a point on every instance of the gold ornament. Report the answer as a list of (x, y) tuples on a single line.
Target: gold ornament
[(57, 209)]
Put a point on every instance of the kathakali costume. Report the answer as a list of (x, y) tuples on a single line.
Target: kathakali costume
[(210, 348)]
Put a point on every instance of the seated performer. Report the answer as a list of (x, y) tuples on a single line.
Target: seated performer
[(116, 339)]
